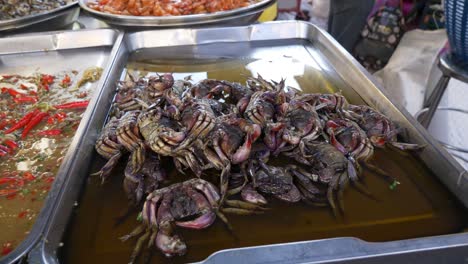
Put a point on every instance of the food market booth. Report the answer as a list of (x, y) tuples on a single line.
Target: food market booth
[(187, 131)]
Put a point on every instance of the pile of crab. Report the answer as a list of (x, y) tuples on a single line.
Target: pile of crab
[(234, 130)]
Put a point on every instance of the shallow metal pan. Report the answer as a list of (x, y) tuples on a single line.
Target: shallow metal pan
[(195, 43), (52, 52), (240, 16), (58, 17)]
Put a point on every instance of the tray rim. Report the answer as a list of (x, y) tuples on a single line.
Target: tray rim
[(367, 249), (44, 215)]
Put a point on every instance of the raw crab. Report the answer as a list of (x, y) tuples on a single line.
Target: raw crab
[(191, 204), (380, 130), (327, 166), (145, 181), (326, 104), (199, 119), (230, 142), (299, 122), (109, 147), (349, 139), (163, 135), (128, 134)]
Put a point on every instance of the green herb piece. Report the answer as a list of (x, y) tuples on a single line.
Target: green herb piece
[(394, 185), (140, 217)]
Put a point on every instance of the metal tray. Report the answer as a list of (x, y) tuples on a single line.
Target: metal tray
[(53, 52), (240, 16), (58, 17), (330, 57)]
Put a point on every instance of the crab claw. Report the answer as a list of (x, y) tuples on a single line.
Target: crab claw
[(249, 194), (209, 190), (243, 153), (243, 103), (170, 245), (203, 221), (272, 139)]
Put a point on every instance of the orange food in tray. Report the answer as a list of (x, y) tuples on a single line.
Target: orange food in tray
[(167, 7)]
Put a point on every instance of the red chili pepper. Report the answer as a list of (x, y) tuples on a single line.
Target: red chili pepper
[(73, 105), (7, 76), (60, 116), (50, 132), (22, 214), (32, 92), (4, 123), (28, 176), (7, 192), (7, 180), (25, 99), (11, 91), (34, 121), (10, 143), (11, 196), (49, 179), (50, 120), (6, 249), (66, 81), (46, 80), (23, 121), (24, 87)]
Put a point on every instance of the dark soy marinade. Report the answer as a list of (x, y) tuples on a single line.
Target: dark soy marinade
[(419, 206), (31, 155)]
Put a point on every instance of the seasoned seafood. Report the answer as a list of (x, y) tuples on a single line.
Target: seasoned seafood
[(228, 133), (11, 9), (39, 114), (166, 8)]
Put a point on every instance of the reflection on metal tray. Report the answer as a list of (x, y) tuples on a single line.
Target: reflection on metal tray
[(49, 53), (282, 47), (56, 18), (237, 17)]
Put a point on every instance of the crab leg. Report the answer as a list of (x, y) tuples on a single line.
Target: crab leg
[(137, 231), (139, 245), (243, 205), (106, 170), (239, 211)]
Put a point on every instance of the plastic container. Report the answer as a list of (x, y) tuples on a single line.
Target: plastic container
[(457, 24)]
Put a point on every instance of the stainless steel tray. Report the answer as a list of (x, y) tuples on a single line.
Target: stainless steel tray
[(330, 57), (57, 18), (240, 16), (53, 52)]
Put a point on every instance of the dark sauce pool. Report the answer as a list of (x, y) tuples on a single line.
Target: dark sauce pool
[(420, 206)]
